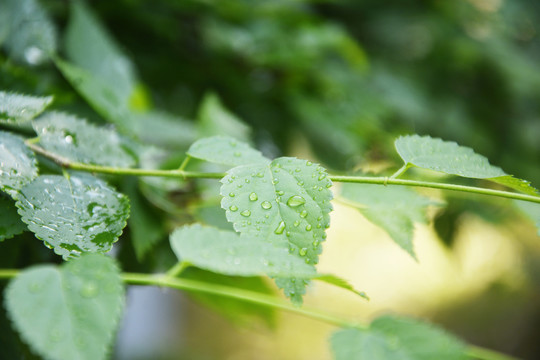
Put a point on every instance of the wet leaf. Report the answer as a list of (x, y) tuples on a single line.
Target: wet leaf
[(68, 312), (10, 221), (226, 150), (17, 164), (75, 215), (20, 108), (450, 158)]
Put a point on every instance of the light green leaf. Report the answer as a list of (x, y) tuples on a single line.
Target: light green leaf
[(31, 35), (68, 312), (215, 119), (10, 221), (90, 47), (394, 209), (225, 252), (75, 215), (448, 157), (532, 210), (394, 338), (226, 150), (341, 283), (286, 202), (17, 164), (77, 140), (163, 129), (20, 108)]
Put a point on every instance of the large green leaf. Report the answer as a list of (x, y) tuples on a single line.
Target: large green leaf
[(394, 338), (10, 221), (77, 140), (284, 202), (226, 252), (75, 215), (20, 108), (532, 210), (448, 157), (17, 164), (394, 209), (215, 119), (31, 35), (68, 312), (226, 150)]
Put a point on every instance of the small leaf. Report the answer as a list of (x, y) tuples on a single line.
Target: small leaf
[(79, 141), (394, 209), (394, 338), (532, 210), (284, 202), (163, 130), (226, 150), (341, 283), (450, 158), (225, 252), (17, 164), (68, 312), (215, 119), (20, 108), (75, 215), (10, 221)]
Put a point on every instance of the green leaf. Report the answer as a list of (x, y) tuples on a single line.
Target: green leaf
[(68, 312), (532, 210), (18, 164), (90, 47), (31, 34), (394, 209), (20, 108), (341, 283), (225, 252), (163, 129), (77, 140), (394, 338), (450, 158), (75, 215), (226, 150), (10, 221), (215, 119), (285, 202)]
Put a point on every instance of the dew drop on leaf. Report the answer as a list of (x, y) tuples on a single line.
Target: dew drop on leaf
[(296, 223), (233, 208), (303, 214), (295, 201), (253, 196), (280, 228), (302, 252), (232, 194), (245, 213), (308, 227), (266, 205)]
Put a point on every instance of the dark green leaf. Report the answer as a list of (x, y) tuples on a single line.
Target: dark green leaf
[(17, 164), (163, 129), (226, 150), (69, 312), (10, 221), (75, 215), (20, 108)]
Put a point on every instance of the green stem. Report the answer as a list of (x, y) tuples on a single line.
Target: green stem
[(399, 172), (184, 163), (178, 268), (481, 353)]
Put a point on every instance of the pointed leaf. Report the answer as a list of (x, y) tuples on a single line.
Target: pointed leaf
[(532, 210), (10, 221), (77, 140), (226, 150), (20, 108), (225, 252), (17, 164), (394, 338), (68, 312), (75, 215), (394, 209), (341, 283), (215, 119), (450, 158), (286, 202)]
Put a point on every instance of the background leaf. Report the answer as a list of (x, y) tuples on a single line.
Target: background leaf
[(448, 157), (10, 221), (395, 209), (68, 312), (18, 165), (75, 215), (215, 119), (225, 150), (163, 129), (77, 140), (394, 338), (21, 108), (532, 211)]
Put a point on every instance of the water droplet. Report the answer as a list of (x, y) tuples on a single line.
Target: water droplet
[(239, 186), (302, 252), (319, 225), (253, 196), (237, 153), (280, 192), (324, 236), (320, 188), (233, 208), (297, 170), (247, 181), (319, 218), (315, 244), (295, 201), (303, 214), (276, 170), (89, 290), (280, 228), (266, 205), (245, 213), (296, 223), (309, 163), (275, 181), (300, 183), (288, 234), (231, 194), (260, 175), (308, 227), (329, 185)]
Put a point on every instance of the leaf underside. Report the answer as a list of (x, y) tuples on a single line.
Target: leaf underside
[(18, 165)]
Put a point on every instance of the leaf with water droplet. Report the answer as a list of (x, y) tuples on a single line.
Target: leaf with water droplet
[(78, 302), (226, 150), (77, 140), (16, 108), (10, 221), (75, 215), (18, 164), (450, 158), (397, 338), (394, 209), (234, 254), (292, 205)]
